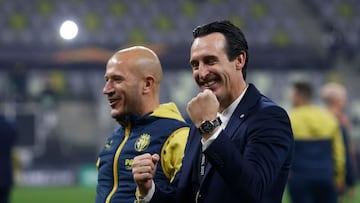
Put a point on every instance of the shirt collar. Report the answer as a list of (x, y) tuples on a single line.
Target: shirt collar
[(226, 114)]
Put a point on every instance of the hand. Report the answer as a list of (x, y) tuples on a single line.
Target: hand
[(143, 169), (204, 106), (339, 186)]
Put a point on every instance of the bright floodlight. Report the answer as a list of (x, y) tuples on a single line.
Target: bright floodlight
[(68, 30)]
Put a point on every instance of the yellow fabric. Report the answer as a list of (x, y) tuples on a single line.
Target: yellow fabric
[(314, 123), (168, 110), (98, 163), (172, 152)]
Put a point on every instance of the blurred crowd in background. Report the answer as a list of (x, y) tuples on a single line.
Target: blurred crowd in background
[(51, 89)]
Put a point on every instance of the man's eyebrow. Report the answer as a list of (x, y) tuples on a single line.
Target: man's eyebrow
[(193, 61), (210, 57)]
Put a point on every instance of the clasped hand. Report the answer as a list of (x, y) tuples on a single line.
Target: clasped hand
[(203, 107), (143, 169)]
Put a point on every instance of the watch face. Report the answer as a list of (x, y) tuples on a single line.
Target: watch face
[(207, 127)]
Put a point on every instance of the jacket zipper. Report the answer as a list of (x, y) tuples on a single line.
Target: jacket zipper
[(116, 163)]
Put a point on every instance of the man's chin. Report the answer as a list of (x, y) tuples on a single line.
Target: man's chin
[(116, 114)]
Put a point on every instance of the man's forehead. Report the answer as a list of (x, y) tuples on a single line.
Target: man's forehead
[(205, 47)]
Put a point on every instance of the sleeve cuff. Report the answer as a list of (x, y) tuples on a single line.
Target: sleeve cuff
[(205, 144), (147, 198)]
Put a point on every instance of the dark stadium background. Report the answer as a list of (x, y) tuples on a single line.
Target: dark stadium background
[(318, 40)]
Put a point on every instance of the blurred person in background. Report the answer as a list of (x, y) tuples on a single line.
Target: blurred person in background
[(18, 80), (47, 138), (335, 98), (133, 77), (336, 43), (318, 169), (240, 146), (7, 142)]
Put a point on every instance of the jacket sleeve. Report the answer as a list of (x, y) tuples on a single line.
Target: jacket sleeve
[(250, 171), (172, 165), (172, 152)]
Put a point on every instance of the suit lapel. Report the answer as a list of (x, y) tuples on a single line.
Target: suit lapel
[(251, 97)]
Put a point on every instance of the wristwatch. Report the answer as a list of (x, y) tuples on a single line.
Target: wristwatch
[(207, 127)]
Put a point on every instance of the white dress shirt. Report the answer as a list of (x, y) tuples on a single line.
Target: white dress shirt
[(224, 117)]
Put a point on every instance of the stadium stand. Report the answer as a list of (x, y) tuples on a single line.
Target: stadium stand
[(287, 39)]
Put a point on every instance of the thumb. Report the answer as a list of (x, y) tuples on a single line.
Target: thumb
[(155, 158), (208, 91)]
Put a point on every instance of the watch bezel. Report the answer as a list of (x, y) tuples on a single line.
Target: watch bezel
[(207, 126)]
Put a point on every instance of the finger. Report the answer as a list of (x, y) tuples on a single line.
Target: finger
[(144, 163), (143, 169), (142, 177), (155, 158), (140, 159), (207, 91), (143, 156), (209, 94)]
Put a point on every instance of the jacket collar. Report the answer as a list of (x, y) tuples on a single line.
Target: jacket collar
[(166, 110)]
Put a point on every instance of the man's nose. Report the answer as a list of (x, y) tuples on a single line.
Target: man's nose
[(108, 88), (203, 70)]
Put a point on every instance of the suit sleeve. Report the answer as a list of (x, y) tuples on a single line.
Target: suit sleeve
[(251, 170)]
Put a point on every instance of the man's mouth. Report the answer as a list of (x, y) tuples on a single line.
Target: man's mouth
[(112, 102), (209, 83)]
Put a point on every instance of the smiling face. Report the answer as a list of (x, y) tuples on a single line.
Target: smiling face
[(133, 78), (213, 70), (122, 87)]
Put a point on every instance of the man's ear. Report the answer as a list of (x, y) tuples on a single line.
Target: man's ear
[(240, 60), (148, 84)]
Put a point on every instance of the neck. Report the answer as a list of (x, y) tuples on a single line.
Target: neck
[(233, 98), (149, 107), (335, 110)]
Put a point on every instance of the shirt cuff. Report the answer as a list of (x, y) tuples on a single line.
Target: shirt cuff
[(147, 198), (206, 144)]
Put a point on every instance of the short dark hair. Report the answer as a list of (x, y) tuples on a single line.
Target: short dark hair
[(303, 88), (235, 41)]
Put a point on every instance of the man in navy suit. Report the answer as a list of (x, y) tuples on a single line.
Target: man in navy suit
[(240, 146), (7, 141)]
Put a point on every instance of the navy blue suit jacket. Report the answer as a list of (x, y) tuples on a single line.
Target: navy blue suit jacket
[(248, 162)]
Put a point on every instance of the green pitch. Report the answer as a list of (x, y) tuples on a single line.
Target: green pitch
[(87, 195), (344, 199), (53, 195)]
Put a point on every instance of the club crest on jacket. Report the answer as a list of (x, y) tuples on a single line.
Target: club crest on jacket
[(142, 142)]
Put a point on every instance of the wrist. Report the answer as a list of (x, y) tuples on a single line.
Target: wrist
[(141, 197), (207, 128), (141, 193), (138, 194)]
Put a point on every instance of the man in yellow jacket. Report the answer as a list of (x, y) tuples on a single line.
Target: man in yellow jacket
[(132, 85), (318, 168)]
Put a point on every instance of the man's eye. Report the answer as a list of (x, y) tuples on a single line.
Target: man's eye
[(211, 62), (118, 79), (195, 66)]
